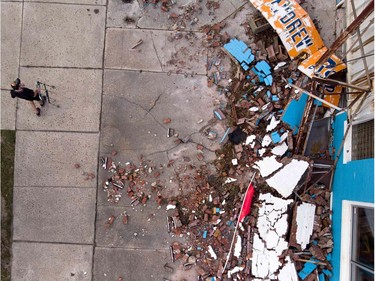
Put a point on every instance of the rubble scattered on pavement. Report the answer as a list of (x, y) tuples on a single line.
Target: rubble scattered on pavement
[(287, 235)]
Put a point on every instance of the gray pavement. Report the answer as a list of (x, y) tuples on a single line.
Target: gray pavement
[(108, 96)]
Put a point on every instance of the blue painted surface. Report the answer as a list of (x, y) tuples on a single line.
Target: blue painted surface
[(241, 52), (275, 137), (352, 181), (225, 135), (268, 80), (293, 113), (263, 70), (308, 268), (327, 272)]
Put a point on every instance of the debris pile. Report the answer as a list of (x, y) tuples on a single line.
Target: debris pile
[(288, 228), (287, 235), (138, 182)]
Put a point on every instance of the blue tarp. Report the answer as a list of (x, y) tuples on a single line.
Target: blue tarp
[(241, 52)]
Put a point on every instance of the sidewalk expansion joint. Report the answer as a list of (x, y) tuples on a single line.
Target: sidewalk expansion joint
[(62, 131), (61, 67), (54, 186), (133, 249), (169, 73), (56, 243), (64, 3)]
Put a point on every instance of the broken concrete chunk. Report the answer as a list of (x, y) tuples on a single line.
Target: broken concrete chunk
[(171, 207), (250, 139), (270, 243), (212, 253), (305, 223), (262, 151), (237, 247), (229, 180), (235, 270), (265, 263), (272, 124), (285, 180), (266, 141), (279, 65), (267, 165), (280, 149), (288, 272)]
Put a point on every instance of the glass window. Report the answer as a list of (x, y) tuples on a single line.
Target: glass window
[(363, 140), (362, 254)]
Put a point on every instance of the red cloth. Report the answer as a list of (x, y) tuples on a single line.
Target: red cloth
[(245, 210)]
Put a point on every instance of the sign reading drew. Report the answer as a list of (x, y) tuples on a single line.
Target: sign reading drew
[(293, 24), (298, 34)]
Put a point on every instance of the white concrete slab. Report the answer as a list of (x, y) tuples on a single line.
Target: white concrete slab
[(280, 149), (47, 214), (76, 100), (48, 159), (267, 165), (288, 272), (160, 51), (8, 111), (46, 262), (62, 35), (270, 242), (305, 223), (11, 17), (285, 180)]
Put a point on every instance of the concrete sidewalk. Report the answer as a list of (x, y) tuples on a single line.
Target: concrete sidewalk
[(108, 96)]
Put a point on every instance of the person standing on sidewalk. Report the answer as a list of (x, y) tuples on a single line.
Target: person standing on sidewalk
[(20, 91)]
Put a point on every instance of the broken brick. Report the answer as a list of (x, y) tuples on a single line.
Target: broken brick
[(110, 221), (167, 120)]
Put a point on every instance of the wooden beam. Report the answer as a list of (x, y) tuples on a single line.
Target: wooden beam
[(337, 82), (315, 97)]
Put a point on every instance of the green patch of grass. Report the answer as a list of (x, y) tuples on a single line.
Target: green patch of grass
[(8, 139)]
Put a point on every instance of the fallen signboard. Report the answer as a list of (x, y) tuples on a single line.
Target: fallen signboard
[(299, 35)]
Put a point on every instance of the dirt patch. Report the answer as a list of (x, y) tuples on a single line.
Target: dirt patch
[(8, 139)]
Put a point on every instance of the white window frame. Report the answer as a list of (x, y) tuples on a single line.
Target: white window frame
[(346, 236)]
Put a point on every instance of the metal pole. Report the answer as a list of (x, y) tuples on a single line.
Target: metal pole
[(346, 33), (355, 42), (235, 230), (315, 97), (337, 82), (361, 45)]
